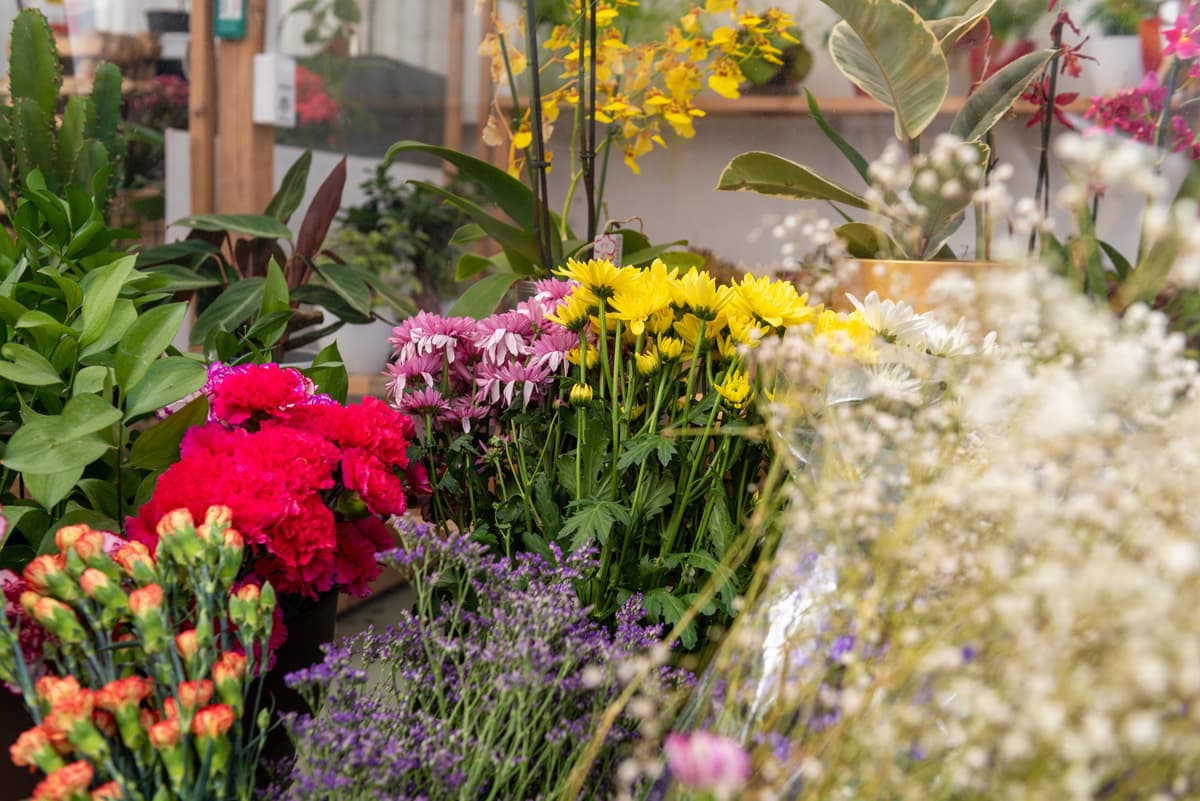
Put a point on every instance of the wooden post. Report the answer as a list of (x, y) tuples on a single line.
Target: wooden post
[(452, 138), (202, 109), (247, 176)]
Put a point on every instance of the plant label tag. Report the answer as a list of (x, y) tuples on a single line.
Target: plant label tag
[(608, 248)]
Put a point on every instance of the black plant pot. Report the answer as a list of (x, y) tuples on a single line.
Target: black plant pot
[(15, 783), (307, 630)]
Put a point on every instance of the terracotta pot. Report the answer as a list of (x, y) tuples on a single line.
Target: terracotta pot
[(15, 783), (307, 631), (902, 280)]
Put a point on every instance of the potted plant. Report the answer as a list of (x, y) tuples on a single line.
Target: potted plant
[(1125, 29), (898, 58)]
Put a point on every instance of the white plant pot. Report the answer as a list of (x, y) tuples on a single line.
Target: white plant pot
[(364, 348), (1118, 65)]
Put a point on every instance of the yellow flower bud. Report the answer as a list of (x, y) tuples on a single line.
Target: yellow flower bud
[(581, 395)]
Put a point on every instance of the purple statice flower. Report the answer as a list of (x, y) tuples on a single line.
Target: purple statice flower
[(478, 691)]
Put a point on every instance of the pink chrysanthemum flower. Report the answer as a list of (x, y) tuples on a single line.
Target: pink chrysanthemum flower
[(503, 381), (503, 336), (550, 349), (431, 333)]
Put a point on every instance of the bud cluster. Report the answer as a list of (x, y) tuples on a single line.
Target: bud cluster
[(150, 667)]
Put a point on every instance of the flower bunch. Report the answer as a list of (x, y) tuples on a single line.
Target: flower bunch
[(617, 408), (643, 88), (314, 106), (984, 597), (489, 687), (149, 664), (308, 480)]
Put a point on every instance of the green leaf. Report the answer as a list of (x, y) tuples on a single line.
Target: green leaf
[(329, 373), (660, 604), (348, 286), (257, 225), (124, 315), (469, 265), (657, 499), (101, 287), (592, 520), (722, 531), (518, 243), (547, 506), (347, 11), (231, 308), (887, 50), (13, 513), (51, 444), (23, 365), (769, 174), (158, 446), (36, 320), (644, 256), (92, 380), (1119, 262), (513, 197), (638, 449), (484, 296), (275, 291), (865, 241), (166, 381), (467, 234), (291, 190), (50, 488), (145, 341), (855, 158), (992, 99)]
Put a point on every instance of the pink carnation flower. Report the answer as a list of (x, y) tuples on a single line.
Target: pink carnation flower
[(707, 762)]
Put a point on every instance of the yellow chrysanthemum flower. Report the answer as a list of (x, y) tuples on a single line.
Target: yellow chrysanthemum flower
[(735, 389), (572, 312), (697, 291), (649, 296), (669, 348), (581, 395), (688, 328), (647, 363), (774, 304), (846, 335), (592, 356), (600, 277)]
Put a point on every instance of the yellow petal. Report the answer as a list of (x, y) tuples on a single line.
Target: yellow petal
[(522, 140)]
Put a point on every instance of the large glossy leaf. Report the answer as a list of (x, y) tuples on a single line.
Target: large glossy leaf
[(167, 380), (769, 174), (124, 314), (888, 51), (260, 225), (345, 282), (865, 241), (469, 265), (291, 191), (994, 97), (232, 308), (328, 372), (512, 196), (951, 29), (100, 291), (52, 444), (482, 297), (519, 244), (145, 341)]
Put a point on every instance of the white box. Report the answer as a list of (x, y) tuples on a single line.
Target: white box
[(275, 90)]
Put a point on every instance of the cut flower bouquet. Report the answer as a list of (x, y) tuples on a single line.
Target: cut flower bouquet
[(308, 479)]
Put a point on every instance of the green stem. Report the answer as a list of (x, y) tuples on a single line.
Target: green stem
[(683, 493)]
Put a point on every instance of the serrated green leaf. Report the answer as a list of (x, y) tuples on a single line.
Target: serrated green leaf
[(591, 520)]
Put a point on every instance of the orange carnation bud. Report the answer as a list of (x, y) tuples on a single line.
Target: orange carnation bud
[(145, 600), (110, 791), (195, 694), (66, 783), (213, 721), (66, 536), (46, 574), (187, 644), (123, 693), (165, 734), (53, 689), (174, 520)]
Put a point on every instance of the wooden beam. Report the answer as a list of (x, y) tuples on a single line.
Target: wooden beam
[(202, 109), (247, 176)]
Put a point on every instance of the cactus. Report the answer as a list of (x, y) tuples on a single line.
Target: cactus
[(87, 141)]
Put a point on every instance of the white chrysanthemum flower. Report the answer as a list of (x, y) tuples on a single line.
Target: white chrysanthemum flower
[(942, 340), (894, 382), (893, 320)]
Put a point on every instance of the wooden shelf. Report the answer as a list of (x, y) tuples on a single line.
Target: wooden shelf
[(769, 105)]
